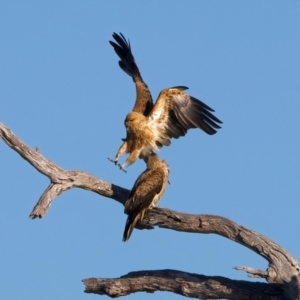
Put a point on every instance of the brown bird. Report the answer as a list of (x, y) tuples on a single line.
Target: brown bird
[(146, 192), (150, 127)]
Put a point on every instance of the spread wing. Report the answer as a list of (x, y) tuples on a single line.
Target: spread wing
[(175, 112), (146, 187), (144, 102)]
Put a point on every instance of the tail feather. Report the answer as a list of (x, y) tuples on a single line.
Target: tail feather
[(130, 224)]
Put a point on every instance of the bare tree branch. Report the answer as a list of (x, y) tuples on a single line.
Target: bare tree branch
[(283, 268), (182, 283), (282, 265), (60, 179)]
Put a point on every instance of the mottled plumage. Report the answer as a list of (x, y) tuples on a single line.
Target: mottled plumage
[(146, 192), (172, 115), (150, 127)]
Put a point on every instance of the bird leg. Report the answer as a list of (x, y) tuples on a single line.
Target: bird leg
[(120, 152), (113, 160), (122, 167), (134, 155)]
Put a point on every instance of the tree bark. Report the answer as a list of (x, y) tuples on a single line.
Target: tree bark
[(182, 283), (282, 274)]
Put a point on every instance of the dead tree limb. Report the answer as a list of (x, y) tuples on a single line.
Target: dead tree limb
[(60, 180), (182, 283), (283, 270)]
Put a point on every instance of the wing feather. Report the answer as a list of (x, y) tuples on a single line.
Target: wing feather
[(123, 50), (196, 112), (206, 110), (144, 102), (173, 129), (147, 186), (176, 112), (146, 192)]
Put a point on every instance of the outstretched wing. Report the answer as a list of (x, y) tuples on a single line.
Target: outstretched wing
[(144, 102), (175, 112)]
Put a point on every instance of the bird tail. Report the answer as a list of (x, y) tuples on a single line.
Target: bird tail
[(129, 226)]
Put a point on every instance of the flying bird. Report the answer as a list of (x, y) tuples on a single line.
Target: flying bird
[(146, 192), (148, 126), (172, 115)]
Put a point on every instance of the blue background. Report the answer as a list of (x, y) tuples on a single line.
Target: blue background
[(61, 89)]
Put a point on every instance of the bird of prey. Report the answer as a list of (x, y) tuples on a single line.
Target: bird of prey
[(146, 192), (148, 126)]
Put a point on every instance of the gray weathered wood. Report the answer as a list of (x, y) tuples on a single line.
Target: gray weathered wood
[(282, 274), (183, 283)]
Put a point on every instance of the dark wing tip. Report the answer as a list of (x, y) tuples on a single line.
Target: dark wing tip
[(120, 39), (123, 50), (191, 112), (202, 103), (127, 63), (179, 87)]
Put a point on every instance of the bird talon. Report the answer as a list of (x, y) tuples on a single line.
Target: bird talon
[(115, 161), (121, 168)]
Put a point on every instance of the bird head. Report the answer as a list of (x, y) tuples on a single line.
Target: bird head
[(132, 118)]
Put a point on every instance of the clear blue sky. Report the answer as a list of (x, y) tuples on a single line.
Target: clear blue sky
[(61, 89)]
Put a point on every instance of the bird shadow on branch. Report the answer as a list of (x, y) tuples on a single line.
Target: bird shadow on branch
[(283, 270)]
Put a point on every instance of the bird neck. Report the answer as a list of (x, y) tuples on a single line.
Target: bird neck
[(152, 160)]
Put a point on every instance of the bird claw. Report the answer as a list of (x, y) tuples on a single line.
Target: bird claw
[(122, 168), (115, 161)]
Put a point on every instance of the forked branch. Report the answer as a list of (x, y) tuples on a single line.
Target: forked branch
[(60, 180)]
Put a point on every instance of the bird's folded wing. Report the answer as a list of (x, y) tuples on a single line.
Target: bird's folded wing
[(147, 186)]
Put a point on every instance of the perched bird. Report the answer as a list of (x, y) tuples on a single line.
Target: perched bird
[(146, 192), (150, 127)]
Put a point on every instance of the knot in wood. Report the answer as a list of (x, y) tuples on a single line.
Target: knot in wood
[(175, 218), (272, 275), (203, 224)]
